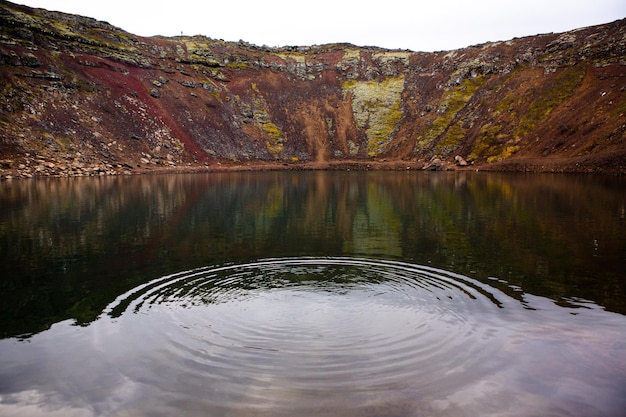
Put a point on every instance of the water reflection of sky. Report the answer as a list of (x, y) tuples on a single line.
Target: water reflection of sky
[(385, 336)]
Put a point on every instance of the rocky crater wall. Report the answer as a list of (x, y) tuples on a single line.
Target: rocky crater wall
[(82, 97)]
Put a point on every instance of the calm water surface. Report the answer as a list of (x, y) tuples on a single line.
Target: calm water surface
[(313, 294)]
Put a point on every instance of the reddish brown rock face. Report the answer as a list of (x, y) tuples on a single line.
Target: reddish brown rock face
[(81, 97)]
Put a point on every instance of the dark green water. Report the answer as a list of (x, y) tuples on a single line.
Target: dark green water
[(314, 293)]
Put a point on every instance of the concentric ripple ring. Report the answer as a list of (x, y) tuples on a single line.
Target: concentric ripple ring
[(283, 331)]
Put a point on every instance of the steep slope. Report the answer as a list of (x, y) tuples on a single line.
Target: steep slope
[(81, 97)]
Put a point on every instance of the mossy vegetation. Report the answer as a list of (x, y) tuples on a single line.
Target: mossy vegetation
[(257, 111), (97, 38), (557, 91), (493, 144), (238, 65), (273, 131), (452, 102), (483, 103), (451, 138), (350, 63), (486, 138), (376, 108), (351, 54), (392, 56), (298, 57), (275, 142), (505, 152)]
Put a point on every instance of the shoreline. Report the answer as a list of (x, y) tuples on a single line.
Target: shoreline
[(44, 168)]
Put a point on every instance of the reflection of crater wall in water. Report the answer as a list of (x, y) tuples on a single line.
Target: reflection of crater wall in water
[(70, 247)]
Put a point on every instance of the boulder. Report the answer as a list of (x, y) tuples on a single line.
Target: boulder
[(434, 165), (460, 161)]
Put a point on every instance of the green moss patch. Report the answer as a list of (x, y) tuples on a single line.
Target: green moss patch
[(493, 145), (453, 101), (451, 138), (558, 90)]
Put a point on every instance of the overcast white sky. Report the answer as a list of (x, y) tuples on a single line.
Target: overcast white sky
[(418, 25)]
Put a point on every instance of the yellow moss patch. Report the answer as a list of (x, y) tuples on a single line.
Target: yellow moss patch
[(506, 152), (376, 109), (238, 65), (392, 56), (275, 144), (350, 54), (493, 145), (485, 139), (453, 101), (451, 138), (273, 131), (292, 55), (274, 148)]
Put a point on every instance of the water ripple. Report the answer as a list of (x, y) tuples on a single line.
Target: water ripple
[(324, 337), (300, 326)]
